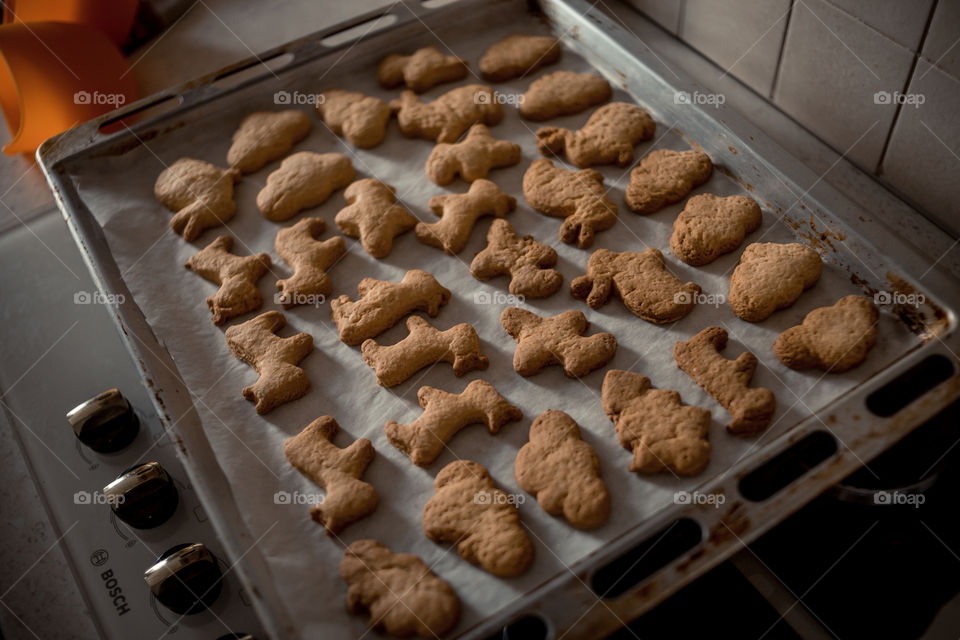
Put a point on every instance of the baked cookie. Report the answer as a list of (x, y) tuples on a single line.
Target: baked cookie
[(425, 345), (274, 359), (517, 55), (444, 414), (337, 471), (770, 277), (399, 591), (359, 118), (640, 280), (833, 339), (425, 68), (309, 258), (727, 380), (304, 180), (608, 137), (237, 277), (472, 158), (654, 424), (577, 196), (469, 511), (459, 213), (528, 262), (446, 118), (200, 193), (664, 177), (382, 304), (265, 136), (374, 216), (563, 93), (542, 342), (710, 226), (563, 472)]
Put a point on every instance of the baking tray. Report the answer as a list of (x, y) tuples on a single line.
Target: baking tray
[(654, 549)]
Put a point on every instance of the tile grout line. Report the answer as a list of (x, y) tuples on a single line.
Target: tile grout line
[(779, 66)]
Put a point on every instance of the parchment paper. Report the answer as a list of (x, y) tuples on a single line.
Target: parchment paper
[(249, 447)]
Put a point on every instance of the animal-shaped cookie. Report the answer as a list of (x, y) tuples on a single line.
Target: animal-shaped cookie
[(337, 471), (518, 55), (654, 424), (833, 339), (469, 511), (425, 68), (472, 158), (359, 118), (459, 213), (608, 137), (528, 262), (664, 177), (424, 345), (542, 342), (444, 414), (265, 136), (640, 280), (446, 118), (309, 258), (200, 193), (563, 472), (374, 216), (274, 358), (382, 304), (710, 226), (399, 591), (304, 180), (770, 277), (577, 196), (236, 275), (563, 93), (727, 380)]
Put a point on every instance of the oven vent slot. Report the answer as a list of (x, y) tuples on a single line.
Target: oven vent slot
[(909, 385), (788, 465), (529, 627)]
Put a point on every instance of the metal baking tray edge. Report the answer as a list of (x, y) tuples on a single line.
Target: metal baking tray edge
[(566, 603)]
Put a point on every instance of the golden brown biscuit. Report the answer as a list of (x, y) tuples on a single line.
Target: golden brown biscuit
[(309, 258), (664, 177), (446, 118), (236, 275), (526, 261), (559, 339), (770, 277), (517, 55), (472, 158), (563, 93), (710, 226), (833, 339), (359, 118), (265, 136), (420, 71), (304, 180), (200, 193), (608, 137), (459, 213), (374, 216)]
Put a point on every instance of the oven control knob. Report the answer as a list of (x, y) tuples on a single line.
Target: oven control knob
[(143, 496), (186, 578), (105, 423)]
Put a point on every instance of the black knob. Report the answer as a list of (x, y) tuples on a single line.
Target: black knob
[(185, 579), (143, 496), (106, 423)]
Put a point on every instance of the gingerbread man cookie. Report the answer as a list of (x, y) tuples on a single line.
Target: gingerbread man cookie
[(576, 196), (274, 358), (200, 193), (237, 277), (542, 342), (472, 158), (459, 213), (469, 511), (425, 68), (518, 55), (399, 591), (833, 339), (563, 93), (446, 118), (665, 177), (382, 304), (336, 470), (608, 137), (444, 414), (770, 277), (528, 262), (359, 118), (710, 226), (727, 380), (654, 424), (563, 472), (265, 136), (374, 216), (424, 345), (304, 180), (309, 258), (640, 280)]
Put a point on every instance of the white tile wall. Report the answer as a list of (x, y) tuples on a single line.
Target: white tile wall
[(902, 20), (942, 46), (666, 13)]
